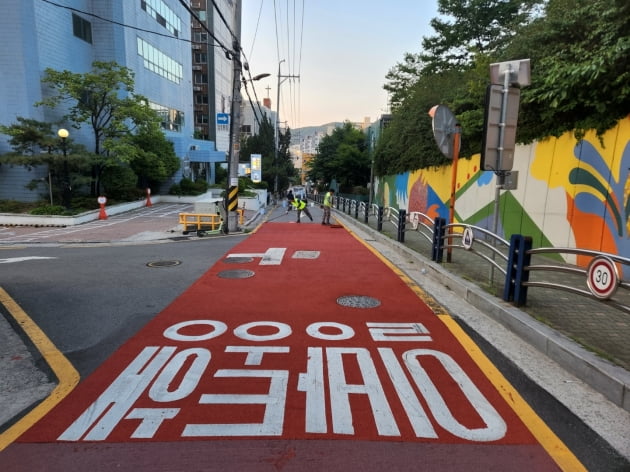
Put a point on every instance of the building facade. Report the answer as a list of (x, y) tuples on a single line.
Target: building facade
[(150, 37)]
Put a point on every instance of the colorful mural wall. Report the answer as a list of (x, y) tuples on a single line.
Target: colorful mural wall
[(569, 194)]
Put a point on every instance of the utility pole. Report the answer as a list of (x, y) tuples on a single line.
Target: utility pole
[(231, 196), (281, 78)]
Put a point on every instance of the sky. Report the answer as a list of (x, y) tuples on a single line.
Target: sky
[(340, 49)]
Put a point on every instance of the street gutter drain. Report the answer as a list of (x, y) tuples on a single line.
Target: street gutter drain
[(358, 301), (236, 274), (164, 263), (237, 260)]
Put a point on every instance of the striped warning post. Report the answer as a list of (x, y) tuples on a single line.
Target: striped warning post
[(233, 198)]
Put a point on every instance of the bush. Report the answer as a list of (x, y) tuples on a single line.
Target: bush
[(119, 183), (188, 187), (50, 210)]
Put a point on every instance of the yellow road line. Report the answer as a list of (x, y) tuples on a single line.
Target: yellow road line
[(64, 371), (554, 446), (547, 438)]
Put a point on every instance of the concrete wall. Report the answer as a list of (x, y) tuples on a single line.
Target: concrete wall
[(570, 193)]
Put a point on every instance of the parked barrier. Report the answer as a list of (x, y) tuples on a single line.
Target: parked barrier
[(200, 222)]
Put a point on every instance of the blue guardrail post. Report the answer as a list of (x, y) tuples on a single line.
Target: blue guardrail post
[(437, 251), (402, 219), (518, 259)]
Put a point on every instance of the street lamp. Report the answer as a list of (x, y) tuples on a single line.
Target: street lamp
[(63, 134), (260, 76)]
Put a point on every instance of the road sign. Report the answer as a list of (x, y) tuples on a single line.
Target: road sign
[(223, 119), (602, 277), (256, 162), (467, 238), (491, 156)]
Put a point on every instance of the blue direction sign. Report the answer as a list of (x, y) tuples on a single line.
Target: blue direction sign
[(223, 119)]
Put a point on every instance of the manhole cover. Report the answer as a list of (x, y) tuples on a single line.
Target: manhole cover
[(358, 301), (164, 263), (237, 260), (236, 274)]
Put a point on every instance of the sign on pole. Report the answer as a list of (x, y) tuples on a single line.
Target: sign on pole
[(256, 165), (493, 143)]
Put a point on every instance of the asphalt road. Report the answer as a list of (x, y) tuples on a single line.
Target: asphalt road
[(90, 300)]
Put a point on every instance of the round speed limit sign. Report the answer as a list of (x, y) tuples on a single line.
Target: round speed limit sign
[(602, 277)]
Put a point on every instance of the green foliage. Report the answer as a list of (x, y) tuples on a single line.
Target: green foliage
[(264, 144), (49, 210), (580, 74), (30, 136), (119, 182), (155, 160), (342, 156), (104, 99), (13, 206), (221, 176), (477, 27), (188, 187)]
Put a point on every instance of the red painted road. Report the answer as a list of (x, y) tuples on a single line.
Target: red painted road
[(301, 350)]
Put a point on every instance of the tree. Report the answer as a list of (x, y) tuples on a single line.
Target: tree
[(30, 136), (155, 159), (35, 144), (580, 74), (103, 98), (343, 156), (580, 71), (477, 27)]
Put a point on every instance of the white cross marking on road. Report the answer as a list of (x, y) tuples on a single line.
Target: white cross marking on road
[(272, 256)]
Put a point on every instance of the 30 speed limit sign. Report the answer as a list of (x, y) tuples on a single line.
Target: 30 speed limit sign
[(602, 277)]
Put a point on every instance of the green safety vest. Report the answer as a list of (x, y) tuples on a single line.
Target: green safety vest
[(327, 199), (299, 204)]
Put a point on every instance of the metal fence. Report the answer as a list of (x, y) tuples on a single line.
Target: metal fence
[(508, 268)]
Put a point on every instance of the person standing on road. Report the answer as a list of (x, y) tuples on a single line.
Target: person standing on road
[(328, 200), (301, 206)]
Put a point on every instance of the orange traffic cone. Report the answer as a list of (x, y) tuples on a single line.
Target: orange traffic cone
[(101, 214), (149, 198)]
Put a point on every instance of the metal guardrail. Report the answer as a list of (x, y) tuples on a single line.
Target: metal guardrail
[(602, 280)]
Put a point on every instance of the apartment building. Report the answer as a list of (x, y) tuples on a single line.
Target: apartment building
[(153, 38)]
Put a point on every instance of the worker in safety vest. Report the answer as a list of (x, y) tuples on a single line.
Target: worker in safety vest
[(301, 206), (328, 201)]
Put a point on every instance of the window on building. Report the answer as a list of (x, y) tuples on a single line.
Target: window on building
[(161, 12), (201, 99), (158, 62), (171, 119), (200, 58), (201, 118), (82, 28), (199, 37), (201, 78)]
